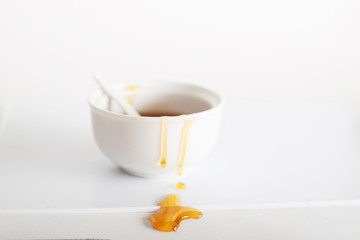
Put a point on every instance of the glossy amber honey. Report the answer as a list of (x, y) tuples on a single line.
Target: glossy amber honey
[(171, 213)]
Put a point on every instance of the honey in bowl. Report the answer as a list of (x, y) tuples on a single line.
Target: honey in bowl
[(171, 213), (155, 113)]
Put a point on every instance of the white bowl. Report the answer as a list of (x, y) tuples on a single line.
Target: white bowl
[(134, 143)]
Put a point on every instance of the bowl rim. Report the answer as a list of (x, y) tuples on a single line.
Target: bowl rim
[(220, 98)]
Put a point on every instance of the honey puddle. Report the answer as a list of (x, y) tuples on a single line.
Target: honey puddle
[(171, 213)]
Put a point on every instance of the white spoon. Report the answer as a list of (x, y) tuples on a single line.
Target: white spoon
[(123, 103)]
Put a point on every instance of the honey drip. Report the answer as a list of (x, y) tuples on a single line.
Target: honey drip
[(180, 185), (171, 213), (131, 92), (183, 142), (163, 142)]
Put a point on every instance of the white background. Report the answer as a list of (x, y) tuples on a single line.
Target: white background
[(260, 50), (250, 50)]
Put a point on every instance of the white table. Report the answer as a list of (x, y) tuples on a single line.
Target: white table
[(280, 171)]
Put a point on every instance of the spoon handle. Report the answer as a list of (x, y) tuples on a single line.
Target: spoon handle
[(124, 104)]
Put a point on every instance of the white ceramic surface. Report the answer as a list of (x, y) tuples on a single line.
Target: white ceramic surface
[(134, 142)]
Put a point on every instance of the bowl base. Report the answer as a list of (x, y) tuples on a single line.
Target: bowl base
[(148, 175)]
